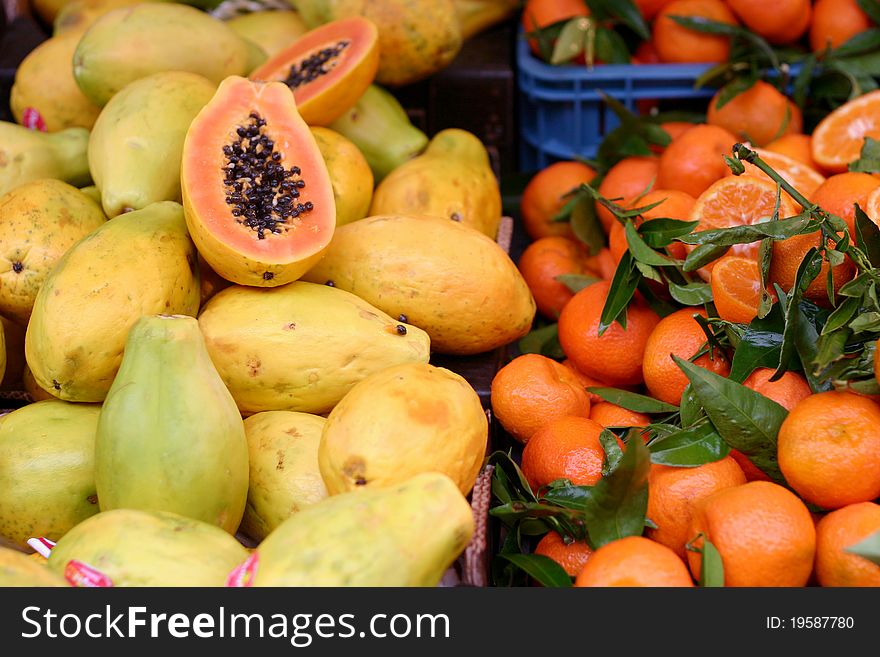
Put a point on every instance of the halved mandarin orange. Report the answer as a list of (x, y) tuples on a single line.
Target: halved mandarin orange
[(736, 288), (839, 137), (872, 206)]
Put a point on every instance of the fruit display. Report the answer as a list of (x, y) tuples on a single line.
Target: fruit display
[(264, 324)]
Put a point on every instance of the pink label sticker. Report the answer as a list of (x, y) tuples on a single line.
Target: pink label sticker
[(32, 119), (83, 575), (42, 545), (243, 575)]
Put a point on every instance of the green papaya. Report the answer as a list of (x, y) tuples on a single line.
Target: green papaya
[(27, 155), (136, 145), (284, 474), (137, 264), (271, 30), (405, 535), (139, 548), (130, 43), (170, 437), (256, 56), (379, 126), (301, 346), (47, 472), (20, 569)]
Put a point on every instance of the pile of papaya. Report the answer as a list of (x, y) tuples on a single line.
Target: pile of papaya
[(226, 260)]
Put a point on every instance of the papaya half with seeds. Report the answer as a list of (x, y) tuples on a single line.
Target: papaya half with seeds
[(256, 191), (328, 68)]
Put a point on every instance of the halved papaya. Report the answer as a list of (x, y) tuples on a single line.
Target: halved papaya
[(256, 191), (328, 68)]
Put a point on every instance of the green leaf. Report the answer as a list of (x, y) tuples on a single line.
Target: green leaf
[(514, 481), (576, 282), (641, 251), (807, 271), (760, 345), (690, 447), (869, 548), (623, 286), (734, 88), (802, 82), (806, 338), (613, 453), (869, 159), (711, 568), (831, 348), (691, 294), (543, 569), (570, 42), (842, 315), (626, 12), (610, 47), (544, 341), (868, 321), (585, 223), (702, 256), (648, 272), (872, 8), (661, 232), (619, 501), (512, 512), (778, 230), (575, 498), (859, 44), (632, 401), (690, 410), (747, 420), (867, 236), (765, 257)]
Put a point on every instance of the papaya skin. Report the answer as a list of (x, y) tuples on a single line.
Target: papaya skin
[(283, 461), (170, 437), (452, 179), (404, 535), (44, 82), (47, 456), (450, 280), (138, 548), (130, 43), (417, 37), (301, 347), (27, 155), (78, 15), (231, 248), (136, 264), (272, 30), (19, 569), (350, 175), (136, 144), (31, 387), (42, 220), (402, 421)]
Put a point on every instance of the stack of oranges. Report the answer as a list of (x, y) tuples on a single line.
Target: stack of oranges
[(820, 24), (828, 447)]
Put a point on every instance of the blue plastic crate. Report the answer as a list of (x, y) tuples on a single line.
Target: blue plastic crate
[(562, 115)]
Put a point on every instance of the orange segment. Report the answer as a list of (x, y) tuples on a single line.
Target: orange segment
[(736, 287), (797, 174), (838, 138), (739, 201)]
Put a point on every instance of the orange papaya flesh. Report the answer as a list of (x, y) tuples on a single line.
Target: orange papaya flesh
[(328, 68), (256, 192)]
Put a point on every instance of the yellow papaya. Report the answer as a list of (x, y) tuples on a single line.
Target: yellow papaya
[(136, 264), (19, 569), (27, 155), (42, 220), (140, 548), (284, 476), (450, 280), (47, 474), (452, 179), (170, 437), (271, 30), (301, 346), (405, 535), (350, 175), (402, 421)]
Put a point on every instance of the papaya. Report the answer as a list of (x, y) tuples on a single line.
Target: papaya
[(42, 219), (379, 126), (453, 179), (20, 570), (47, 469), (475, 16), (47, 10), (137, 143), (92, 192), (271, 30), (284, 476), (44, 88), (256, 56), (139, 548), (401, 421), (13, 339), (417, 38), (31, 388), (350, 175), (256, 192), (327, 69), (404, 535), (130, 43), (448, 279), (27, 155), (136, 264), (301, 347), (170, 437), (78, 15)]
